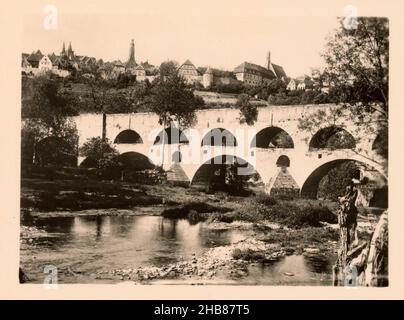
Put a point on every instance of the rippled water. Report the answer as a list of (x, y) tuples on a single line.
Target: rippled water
[(81, 246)]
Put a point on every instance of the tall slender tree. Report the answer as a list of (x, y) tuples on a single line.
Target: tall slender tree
[(173, 101), (357, 70)]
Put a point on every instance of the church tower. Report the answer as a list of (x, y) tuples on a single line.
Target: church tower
[(70, 52), (269, 60), (63, 53), (131, 62)]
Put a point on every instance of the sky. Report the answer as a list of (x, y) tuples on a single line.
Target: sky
[(223, 39)]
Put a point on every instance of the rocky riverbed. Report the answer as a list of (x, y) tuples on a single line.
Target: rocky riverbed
[(217, 263)]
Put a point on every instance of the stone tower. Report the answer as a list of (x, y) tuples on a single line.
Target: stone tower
[(269, 60), (207, 78), (131, 62)]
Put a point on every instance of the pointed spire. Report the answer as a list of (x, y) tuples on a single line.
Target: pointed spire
[(63, 48), (70, 52), (269, 60), (132, 61)]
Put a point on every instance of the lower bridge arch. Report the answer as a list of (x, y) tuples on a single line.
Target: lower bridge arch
[(219, 172), (126, 166), (373, 188)]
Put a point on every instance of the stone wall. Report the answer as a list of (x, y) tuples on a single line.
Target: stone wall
[(302, 160)]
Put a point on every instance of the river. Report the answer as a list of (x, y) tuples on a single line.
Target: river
[(81, 246)]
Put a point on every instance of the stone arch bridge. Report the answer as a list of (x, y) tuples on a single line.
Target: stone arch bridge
[(284, 156)]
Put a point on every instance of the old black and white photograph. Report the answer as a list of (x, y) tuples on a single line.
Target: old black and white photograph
[(188, 148)]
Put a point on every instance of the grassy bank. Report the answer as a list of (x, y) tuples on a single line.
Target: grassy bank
[(62, 195), (80, 190), (296, 213)]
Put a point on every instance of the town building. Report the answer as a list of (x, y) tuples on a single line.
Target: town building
[(118, 67), (207, 78), (291, 85), (255, 75), (45, 64), (143, 71), (189, 72), (37, 63), (68, 61), (301, 83)]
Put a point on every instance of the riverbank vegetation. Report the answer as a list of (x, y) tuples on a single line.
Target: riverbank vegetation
[(82, 189)]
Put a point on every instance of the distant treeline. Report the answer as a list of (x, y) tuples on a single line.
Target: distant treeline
[(124, 94)]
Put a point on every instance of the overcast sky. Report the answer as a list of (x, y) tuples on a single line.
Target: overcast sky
[(222, 40)]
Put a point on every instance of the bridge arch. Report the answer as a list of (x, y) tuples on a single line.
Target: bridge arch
[(332, 137), (135, 161), (312, 182), (128, 160), (128, 136), (171, 135), (272, 137), (219, 137), (283, 161), (212, 173)]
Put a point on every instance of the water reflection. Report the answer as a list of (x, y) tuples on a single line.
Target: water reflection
[(292, 270), (123, 241), (90, 244), (55, 225), (319, 263)]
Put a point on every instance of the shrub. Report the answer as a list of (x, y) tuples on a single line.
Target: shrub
[(193, 211), (265, 199), (293, 214)]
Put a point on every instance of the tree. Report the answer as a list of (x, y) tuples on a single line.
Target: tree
[(139, 96), (276, 86), (248, 111), (358, 72), (168, 68), (235, 182), (47, 105), (357, 67), (100, 152), (105, 98), (173, 101)]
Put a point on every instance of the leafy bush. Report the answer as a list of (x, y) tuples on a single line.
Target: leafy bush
[(265, 199), (293, 214), (102, 154), (248, 111), (194, 210)]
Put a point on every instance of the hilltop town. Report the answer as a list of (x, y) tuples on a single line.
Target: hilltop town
[(247, 76)]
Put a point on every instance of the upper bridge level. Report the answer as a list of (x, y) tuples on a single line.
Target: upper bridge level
[(277, 134)]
